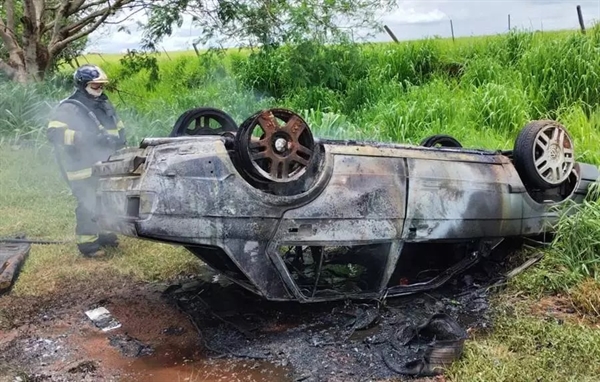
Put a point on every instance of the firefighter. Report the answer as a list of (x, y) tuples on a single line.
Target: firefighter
[(85, 129)]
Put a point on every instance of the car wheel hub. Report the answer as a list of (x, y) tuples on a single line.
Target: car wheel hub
[(281, 145), (553, 154)]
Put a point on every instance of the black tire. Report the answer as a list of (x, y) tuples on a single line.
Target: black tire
[(227, 123), (442, 140), (527, 151)]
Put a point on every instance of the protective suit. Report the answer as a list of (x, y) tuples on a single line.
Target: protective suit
[(85, 129)]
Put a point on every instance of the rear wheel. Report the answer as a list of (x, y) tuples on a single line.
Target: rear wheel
[(206, 121), (440, 140), (543, 154)]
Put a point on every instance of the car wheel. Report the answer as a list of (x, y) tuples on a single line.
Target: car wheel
[(274, 151), (441, 140), (207, 121), (543, 154)]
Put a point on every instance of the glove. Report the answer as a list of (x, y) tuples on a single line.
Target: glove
[(108, 140)]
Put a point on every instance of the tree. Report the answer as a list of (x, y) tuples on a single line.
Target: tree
[(265, 22), (35, 33)]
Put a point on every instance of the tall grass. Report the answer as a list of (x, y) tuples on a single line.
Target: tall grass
[(574, 257), (482, 90)]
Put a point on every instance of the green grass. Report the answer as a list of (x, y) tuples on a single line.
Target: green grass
[(386, 91), (36, 201), (526, 347), (481, 90)]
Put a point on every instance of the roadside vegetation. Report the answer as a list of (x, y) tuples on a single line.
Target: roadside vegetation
[(480, 90)]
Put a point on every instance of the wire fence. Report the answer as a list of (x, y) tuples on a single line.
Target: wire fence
[(578, 8)]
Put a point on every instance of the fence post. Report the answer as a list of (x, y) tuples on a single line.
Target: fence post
[(452, 29), (389, 31), (580, 16), (509, 21), (102, 57), (166, 53)]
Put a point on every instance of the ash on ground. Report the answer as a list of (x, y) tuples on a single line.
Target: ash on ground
[(341, 341)]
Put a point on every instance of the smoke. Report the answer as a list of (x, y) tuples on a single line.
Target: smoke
[(26, 109), (32, 192)]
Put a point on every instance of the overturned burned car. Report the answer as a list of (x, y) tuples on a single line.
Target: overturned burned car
[(292, 217)]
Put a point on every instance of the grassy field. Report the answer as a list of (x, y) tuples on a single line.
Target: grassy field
[(480, 90)]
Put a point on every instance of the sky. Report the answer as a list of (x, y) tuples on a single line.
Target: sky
[(411, 20)]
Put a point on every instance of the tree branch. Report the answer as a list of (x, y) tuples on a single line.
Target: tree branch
[(76, 27), (72, 8), (58, 20), (8, 37), (117, 22), (10, 16), (79, 6), (29, 9), (100, 16), (40, 9)]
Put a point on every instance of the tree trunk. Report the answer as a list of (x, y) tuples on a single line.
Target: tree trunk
[(28, 69), (21, 77), (22, 73)]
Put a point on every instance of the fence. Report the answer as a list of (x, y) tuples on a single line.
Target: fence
[(579, 17)]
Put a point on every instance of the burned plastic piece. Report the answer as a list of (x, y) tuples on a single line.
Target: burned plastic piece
[(365, 318), (102, 318), (129, 346), (84, 367), (440, 341)]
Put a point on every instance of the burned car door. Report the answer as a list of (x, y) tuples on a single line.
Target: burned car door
[(348, 239)]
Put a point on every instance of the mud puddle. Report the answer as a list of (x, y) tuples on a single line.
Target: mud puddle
[(154, 342)]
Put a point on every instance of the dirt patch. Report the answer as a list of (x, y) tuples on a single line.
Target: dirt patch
[(198, 329), (325, 342), (341, 341), (561, 308), (52, 339)]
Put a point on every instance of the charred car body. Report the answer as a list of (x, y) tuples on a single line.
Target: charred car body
[(291, 217)]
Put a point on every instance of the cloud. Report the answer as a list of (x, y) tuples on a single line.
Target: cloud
[(413, 16)]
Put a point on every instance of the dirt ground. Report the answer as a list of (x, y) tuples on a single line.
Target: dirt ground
[(51, 339), (198, 330)]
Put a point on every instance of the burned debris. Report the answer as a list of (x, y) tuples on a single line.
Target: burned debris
[(412, 336), (437, 344)]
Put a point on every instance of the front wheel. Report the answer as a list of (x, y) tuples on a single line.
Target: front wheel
[(275, 145), (543, 154)]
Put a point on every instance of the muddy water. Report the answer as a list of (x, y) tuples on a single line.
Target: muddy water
[(175, 364), (170, 357), (154, 370)]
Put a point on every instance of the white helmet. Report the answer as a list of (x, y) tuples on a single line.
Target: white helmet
[(91, 79)]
